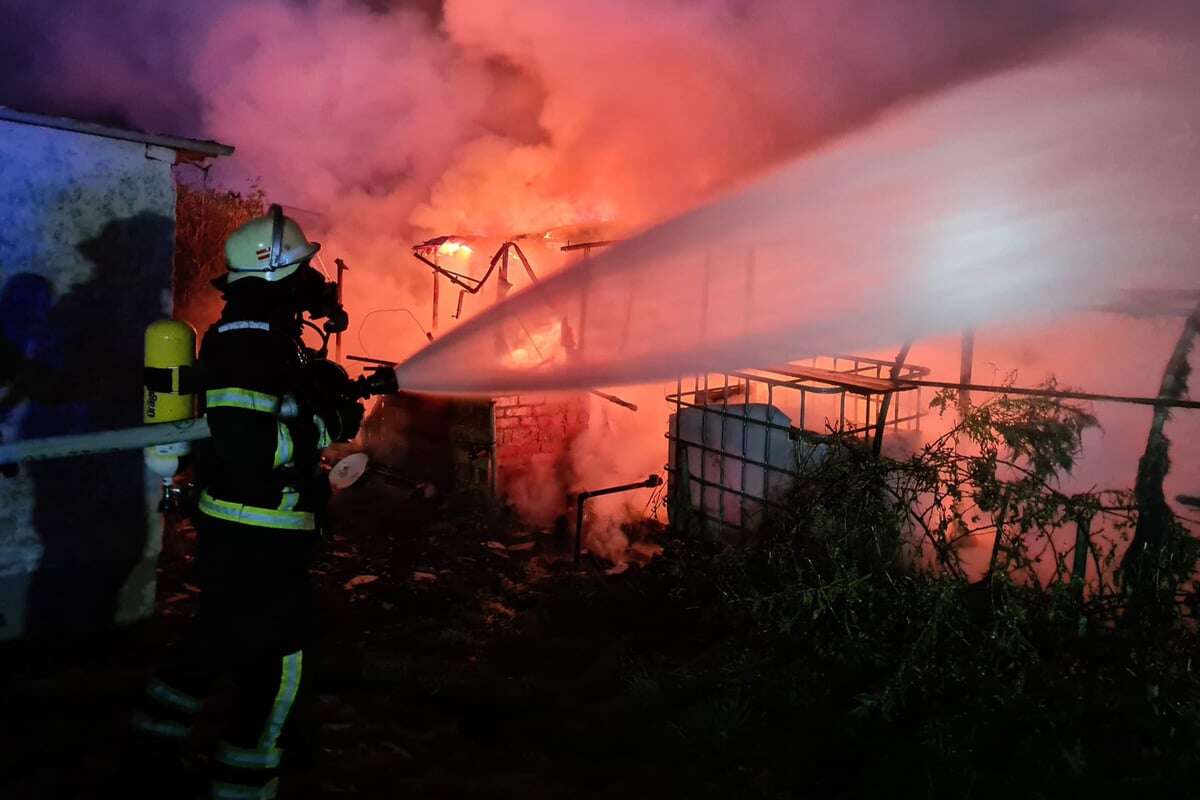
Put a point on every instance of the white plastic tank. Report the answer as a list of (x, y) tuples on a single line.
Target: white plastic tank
[(721, 451)]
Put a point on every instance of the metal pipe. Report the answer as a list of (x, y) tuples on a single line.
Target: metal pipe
[(456, 278), (716, 451), (342, 269), (966, 365), (704, 410), (465, 282), (679, 494), (745, 448), (81, 444), (493, 464), (533, 278), (763, 501), (583, 497), (612, 398), (502, 284), (1083, 532), (908, 383), (368, 360), (588, 245), (721, 472), (881, 423), (792, 430), (437, 302), (767, 448)]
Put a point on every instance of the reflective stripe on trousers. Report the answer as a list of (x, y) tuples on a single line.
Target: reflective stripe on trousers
[(237, 791), (172, 697), (159, 728), (267, 755), (289, 684), (247, 758)]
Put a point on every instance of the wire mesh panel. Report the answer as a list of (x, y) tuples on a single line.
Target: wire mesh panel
[(738, 442)]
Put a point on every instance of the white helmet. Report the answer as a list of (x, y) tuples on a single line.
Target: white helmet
[(269, 248)]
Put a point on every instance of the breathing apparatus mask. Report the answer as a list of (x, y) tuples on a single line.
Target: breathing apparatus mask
[(310, 292), (317, 297), (270, 257)]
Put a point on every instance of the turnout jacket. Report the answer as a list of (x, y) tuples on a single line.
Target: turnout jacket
[(262, 467)]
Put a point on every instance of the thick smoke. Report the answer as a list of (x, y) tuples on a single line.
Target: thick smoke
[(652, 107), (395, 119), (1043, 189), (384, 122), (124, 63)]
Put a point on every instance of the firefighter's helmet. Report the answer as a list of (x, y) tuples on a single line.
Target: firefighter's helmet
[(269, 248)]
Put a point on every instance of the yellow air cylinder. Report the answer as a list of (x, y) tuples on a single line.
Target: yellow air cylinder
[(168, 391), (170, 359)]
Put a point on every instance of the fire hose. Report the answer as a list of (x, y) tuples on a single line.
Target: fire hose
[(136, 438), (141, 436)]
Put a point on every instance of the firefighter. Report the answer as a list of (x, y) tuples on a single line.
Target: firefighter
[(261, 507)]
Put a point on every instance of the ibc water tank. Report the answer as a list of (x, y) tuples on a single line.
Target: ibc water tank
[(721, 451)]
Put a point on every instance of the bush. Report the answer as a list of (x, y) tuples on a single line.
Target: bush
[(855, 616), (204, 217)]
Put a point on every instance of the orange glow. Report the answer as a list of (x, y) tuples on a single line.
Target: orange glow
[(453, 248), (538, 347)]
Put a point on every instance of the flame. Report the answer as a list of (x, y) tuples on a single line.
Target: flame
[(453, 248), (538, 347)]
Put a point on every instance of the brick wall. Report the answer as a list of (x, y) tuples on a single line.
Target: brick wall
[(449, 442), (532, 427)]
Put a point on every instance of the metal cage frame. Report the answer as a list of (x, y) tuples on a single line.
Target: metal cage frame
[(857, 383)]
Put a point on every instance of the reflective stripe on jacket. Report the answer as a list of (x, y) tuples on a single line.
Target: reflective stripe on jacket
[(262, 469), (252, 515)]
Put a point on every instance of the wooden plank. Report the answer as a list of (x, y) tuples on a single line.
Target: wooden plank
[(858, 384)]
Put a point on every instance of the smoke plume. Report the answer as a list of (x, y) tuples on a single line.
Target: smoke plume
[(383, 122), (391, 120)]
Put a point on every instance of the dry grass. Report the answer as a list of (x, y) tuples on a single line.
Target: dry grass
[(204, 217)]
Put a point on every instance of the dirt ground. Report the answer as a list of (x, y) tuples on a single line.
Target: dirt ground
[(459, 655)]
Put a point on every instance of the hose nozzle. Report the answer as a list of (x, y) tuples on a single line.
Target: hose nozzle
[(379, 381)]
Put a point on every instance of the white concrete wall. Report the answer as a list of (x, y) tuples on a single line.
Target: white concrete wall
[(86, 241)]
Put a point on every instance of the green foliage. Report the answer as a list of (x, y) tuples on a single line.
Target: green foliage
[(869, 620)]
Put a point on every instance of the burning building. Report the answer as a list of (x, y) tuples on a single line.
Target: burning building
[(734, 442), (515, 446)]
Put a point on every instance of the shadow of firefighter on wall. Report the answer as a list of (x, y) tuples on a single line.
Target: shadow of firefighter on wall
[(90, 511)]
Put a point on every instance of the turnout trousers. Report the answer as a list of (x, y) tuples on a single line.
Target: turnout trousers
[(253, 621)]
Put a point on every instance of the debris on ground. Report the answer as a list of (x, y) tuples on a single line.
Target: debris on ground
[(361, 580)]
